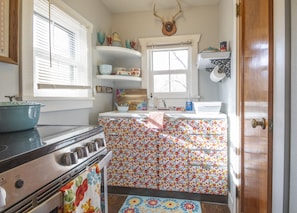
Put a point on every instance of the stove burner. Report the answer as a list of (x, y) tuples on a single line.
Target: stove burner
[(3, 148)]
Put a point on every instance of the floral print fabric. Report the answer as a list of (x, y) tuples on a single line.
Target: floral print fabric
[(82, 195), (141, 204)]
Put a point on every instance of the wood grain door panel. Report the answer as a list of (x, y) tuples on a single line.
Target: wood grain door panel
[(255, 86)]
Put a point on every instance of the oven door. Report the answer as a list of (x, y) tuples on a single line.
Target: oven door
[(54, 198), (53, 205)]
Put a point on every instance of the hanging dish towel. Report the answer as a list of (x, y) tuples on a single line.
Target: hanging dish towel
[(82, 195), (156, 120)]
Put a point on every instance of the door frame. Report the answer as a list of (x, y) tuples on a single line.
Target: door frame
[(281, 105), (293, 173)]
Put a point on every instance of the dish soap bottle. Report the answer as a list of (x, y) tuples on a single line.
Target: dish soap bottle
[(151, 104), (189, 105)]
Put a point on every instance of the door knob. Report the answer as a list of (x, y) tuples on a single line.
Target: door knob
[(261, 123)]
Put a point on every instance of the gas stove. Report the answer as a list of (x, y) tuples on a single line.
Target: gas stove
[(36, 161), (23, 146)]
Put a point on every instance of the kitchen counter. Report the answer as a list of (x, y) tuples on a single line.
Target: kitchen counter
[(167, 114)]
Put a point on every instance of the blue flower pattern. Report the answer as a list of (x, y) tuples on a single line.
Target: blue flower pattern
[(93, 177), (139, 204)]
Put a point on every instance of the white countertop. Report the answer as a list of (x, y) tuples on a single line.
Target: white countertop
[(167, 114)]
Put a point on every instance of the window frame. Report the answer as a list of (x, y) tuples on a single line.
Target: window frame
[(27, 62), (187, 71), (192, 80)]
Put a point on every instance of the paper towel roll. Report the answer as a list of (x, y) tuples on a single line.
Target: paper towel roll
[(215, 76)]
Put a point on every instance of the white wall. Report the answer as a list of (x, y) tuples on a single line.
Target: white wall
[(9, 80), (281, 107), (227, 94), (201, 20), (99, 16), (293, 175)]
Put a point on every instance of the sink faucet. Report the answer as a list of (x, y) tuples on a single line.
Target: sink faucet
[(10, 97), (164, 103)]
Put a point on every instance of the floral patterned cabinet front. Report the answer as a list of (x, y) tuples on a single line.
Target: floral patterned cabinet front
[(187, 155), (134, 162), (208, 157)]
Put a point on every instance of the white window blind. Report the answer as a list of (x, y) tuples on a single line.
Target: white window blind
[(60, 53)]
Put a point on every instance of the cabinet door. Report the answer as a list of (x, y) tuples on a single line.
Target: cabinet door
[(173, 162), (207, 127), (208, 157), (212, 142), (208, 180), (135, 153)]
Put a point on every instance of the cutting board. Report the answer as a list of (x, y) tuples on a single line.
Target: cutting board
[(136, 98)]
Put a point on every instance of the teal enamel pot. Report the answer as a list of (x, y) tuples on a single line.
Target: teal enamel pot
[(19, 115)]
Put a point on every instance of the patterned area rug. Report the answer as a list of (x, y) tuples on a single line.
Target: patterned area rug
[(141, 204)]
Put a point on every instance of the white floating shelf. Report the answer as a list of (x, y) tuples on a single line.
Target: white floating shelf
[(119, 78), (204, 59), (215, 55), (118, 52)]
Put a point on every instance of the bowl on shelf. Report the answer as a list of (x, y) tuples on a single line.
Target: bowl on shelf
[(123, 108), (116, 69), (105, 69), (116, 44)]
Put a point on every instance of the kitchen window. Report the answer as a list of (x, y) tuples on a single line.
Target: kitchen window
[(58, 64), (169, 71), (169, 67)]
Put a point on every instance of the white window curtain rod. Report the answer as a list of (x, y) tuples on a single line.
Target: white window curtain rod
[(152, 45)]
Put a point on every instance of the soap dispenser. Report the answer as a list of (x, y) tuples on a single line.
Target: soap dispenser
[(151, 104)]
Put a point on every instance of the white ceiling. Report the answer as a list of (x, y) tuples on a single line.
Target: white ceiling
[(125, 6)]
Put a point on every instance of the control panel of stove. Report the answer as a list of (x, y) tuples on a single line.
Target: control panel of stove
[(72, 157), (21, 181)]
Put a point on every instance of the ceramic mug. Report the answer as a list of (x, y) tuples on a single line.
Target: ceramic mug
[(133, 45), (109, 40), (128, 45), (101, 37)]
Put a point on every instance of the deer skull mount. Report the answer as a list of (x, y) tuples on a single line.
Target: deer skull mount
[(169, 27)]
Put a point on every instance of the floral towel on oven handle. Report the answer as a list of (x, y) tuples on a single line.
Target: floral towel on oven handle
[(82, 195)]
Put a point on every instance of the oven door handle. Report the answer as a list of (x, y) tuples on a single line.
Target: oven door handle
[(55, 202), (104, 161)]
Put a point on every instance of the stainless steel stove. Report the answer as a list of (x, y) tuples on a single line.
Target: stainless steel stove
[(36, 163)]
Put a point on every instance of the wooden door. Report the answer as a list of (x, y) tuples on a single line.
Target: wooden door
[(255, 85)]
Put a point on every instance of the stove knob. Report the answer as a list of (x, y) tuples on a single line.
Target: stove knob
[(82, 152), (69, 158), (2, 197), (100, 142), (92, 146), (19, 183)]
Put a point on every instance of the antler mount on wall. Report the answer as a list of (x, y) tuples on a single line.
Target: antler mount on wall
[(169, 27)]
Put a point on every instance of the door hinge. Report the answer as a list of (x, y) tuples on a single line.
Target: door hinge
[(237, 9), (237, 192), (270, 125)]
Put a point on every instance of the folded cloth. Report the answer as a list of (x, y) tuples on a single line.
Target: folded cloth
[(156, 120), (82, 194)]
